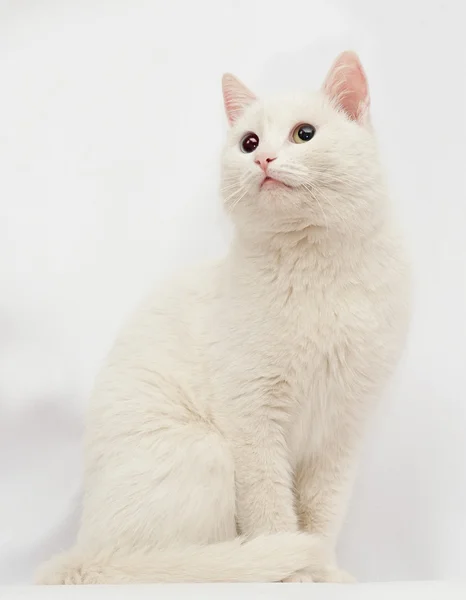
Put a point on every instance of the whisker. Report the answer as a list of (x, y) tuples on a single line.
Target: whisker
[(240, 190), (238, 200), (314, 196)]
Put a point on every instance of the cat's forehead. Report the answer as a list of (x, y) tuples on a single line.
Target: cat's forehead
[(285, 110)]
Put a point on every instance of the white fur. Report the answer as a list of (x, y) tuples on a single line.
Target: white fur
[(233, 402)]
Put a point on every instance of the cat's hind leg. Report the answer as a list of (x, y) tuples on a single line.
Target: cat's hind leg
[(155, 478)]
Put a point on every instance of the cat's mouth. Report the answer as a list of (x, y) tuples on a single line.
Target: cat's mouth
[(271, 182)]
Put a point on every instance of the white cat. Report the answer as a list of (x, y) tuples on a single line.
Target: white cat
[(233, 402)]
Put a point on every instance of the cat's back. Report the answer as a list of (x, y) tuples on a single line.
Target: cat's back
[(174, 308), (162, 343)]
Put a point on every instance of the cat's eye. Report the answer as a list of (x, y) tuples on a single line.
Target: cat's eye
[(303, 133), (249, 142)]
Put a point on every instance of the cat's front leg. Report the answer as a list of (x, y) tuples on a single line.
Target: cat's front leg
[(323, 484), (264, 477)]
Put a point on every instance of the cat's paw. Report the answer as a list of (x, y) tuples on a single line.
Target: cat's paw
[(299, 577), (330, 574)]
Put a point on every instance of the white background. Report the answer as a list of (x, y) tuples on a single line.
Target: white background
[(110, 127)]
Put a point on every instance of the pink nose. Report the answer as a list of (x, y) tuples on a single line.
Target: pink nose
[(263, 160)]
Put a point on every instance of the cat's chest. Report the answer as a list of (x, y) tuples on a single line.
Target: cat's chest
[(328, 336), (341, 344), (326, 333), (332, 341), (322, 322)]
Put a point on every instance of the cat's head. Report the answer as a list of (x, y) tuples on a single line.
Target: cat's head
[(303, 160)]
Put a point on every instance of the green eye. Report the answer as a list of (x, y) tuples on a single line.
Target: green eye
[(303, 133)]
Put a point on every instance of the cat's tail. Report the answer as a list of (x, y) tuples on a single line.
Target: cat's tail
[(267, 558)]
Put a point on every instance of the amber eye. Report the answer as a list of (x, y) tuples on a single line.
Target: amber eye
[(303, 133), (249, 142)]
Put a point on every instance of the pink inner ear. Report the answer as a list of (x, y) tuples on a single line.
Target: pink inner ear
[(346, 85), (236, 97)]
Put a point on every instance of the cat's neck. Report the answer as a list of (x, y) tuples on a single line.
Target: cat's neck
[(295, 260), (319, 243)]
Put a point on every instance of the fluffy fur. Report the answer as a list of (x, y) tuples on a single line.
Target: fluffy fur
[(233, 402)]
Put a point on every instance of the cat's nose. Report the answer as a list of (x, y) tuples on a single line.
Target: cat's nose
[(263, 159)]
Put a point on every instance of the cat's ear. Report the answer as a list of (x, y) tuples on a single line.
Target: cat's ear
[(346, 85), (236, 97)]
